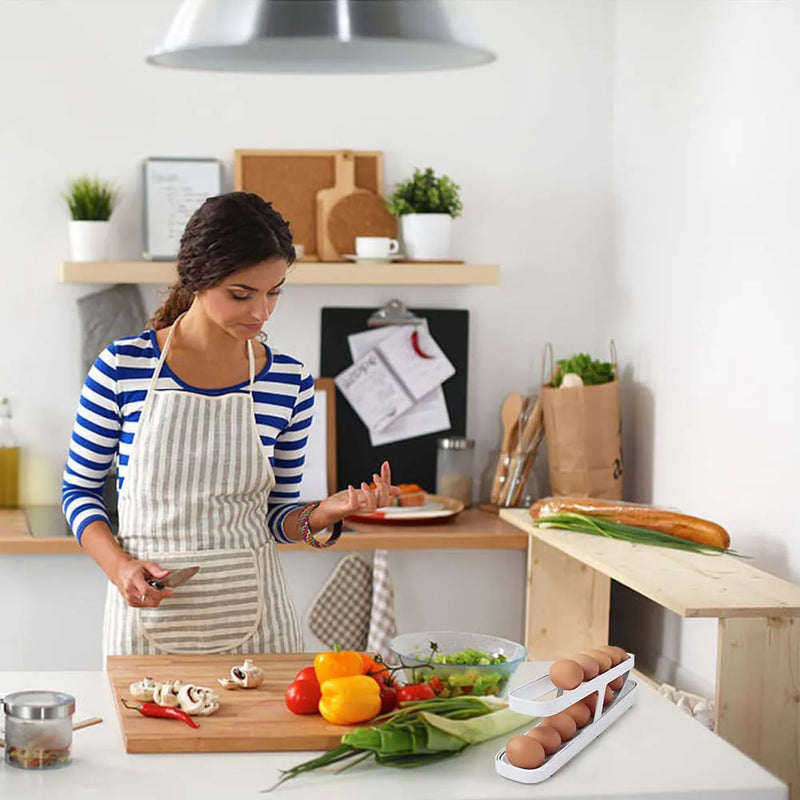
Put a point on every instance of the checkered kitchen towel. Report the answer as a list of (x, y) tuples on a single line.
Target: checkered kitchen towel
[(340, 613), (382, 626)]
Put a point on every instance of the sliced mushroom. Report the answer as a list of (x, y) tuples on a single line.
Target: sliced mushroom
[(143, 690), (198, 700), (249, 675), (228, 683), (166, 694)]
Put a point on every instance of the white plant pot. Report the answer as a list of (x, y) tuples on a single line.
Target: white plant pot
[(426, 237), (88, 239)]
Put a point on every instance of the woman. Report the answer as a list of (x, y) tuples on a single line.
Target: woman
[(209, 434)]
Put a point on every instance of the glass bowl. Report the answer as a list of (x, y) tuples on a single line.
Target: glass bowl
[(416, 652)]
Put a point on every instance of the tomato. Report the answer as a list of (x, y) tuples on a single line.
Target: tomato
[(302, 697), (307, 674), (415, 692), (436, 684), (388, 699)]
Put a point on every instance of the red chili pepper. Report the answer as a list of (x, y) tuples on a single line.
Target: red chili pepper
[(155, 710)]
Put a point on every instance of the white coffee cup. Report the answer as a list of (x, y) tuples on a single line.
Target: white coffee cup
[(376, 246)]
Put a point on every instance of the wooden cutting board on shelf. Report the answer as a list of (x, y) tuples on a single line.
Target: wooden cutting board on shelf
[(344, 203), (248, 720), (361, 214)]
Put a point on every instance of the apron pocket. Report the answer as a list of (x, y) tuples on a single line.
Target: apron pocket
[(219, 609)]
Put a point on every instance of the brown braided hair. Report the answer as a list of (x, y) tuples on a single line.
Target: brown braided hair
[(227, 233)]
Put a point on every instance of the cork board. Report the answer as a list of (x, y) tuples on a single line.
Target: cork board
[(359, 215), (290, 179)]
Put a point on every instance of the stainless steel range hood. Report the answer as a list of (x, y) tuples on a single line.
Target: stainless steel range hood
[(314, 36)]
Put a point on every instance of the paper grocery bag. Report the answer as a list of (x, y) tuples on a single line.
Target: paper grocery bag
[(583, 435)]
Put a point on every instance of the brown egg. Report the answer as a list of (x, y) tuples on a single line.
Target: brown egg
[(609, 696), (591, 669), (524, 752), (590, 702), (580, 713), (623, 653), (603, 659), (614, 653), (618, 683), (547, 736), (563, 723), (566, 674)]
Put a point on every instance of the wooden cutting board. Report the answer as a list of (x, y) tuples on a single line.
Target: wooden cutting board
[(248, 720), (327, 199)]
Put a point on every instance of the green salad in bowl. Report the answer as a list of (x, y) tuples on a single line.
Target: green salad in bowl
[(453, 662)]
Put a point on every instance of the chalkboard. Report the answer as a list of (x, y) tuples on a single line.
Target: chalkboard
[(174, 188), (412, 460)]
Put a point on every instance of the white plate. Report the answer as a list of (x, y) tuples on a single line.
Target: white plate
[(435, 508), (374, 259)]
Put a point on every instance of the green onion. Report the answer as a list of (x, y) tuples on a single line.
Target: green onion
[(419, 733), (598, 526)]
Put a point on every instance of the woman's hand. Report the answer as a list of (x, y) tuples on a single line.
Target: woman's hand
[(362, 500), (131, 579)]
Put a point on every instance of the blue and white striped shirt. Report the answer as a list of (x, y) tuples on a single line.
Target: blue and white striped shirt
[(108, 415)]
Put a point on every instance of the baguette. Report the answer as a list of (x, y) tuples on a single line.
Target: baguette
[(683, 526)]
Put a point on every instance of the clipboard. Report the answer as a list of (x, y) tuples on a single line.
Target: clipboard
[(412, 460)]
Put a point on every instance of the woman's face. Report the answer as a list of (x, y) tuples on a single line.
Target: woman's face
[(243, 301)]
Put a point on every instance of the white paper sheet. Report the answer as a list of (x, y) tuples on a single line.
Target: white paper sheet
[(428, 415), (373, 391), (415, 356)]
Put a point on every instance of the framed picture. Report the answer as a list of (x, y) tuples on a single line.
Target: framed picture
[(174, 188), (319, 474)]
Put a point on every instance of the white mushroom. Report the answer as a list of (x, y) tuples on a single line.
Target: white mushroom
[(166, 694), (143, 690), (227, 683), (198, 700), (248, 676)]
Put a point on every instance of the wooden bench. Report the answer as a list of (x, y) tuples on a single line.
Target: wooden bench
[(758, 645)]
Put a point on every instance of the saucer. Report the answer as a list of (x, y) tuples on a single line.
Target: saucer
[(374, 259)]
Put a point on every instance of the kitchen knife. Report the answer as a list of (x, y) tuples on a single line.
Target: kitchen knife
[(174, 579)]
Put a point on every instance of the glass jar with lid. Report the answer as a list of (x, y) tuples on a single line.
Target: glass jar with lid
[(454, 468), (38, 729)]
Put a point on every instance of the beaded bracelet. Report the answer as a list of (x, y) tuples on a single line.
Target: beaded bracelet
[(305, 529)]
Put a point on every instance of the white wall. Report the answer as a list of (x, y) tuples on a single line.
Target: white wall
[(706, 208), (528, 138)]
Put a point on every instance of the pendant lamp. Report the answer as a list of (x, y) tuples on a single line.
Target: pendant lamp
[(314, 36)]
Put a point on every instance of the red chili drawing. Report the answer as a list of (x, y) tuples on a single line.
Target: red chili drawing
[(417, 349)]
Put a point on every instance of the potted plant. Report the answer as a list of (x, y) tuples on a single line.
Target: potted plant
[(90, 202), (426, 205)]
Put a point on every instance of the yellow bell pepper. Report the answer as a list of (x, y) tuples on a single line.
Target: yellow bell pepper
[(354, 698), (337, 664)]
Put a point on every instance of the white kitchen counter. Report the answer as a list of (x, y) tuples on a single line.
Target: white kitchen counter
[(654, 751)]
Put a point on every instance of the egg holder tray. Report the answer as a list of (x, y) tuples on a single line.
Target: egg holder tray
[(526, 700)]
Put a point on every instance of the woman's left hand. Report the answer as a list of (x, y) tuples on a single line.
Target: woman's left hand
[(362, 500)]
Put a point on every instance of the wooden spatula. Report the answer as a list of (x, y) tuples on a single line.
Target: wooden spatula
[(344, 185), (509, 416)]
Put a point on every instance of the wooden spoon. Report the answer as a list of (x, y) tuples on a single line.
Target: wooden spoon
[(509, 416)]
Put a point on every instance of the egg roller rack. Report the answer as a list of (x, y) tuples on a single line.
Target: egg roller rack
[(525, 699)]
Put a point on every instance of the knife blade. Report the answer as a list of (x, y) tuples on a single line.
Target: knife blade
[(174, 579)]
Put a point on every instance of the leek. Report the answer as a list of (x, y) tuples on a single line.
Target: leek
[(419, 733), (599, 526)]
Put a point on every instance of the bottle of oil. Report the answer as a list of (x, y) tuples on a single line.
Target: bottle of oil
[(9, 459)]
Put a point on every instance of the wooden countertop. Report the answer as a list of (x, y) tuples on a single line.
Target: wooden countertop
[(472, 529), (689, 584)]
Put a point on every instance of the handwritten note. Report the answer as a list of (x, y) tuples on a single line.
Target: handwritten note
[(428, 415), (173, 190)]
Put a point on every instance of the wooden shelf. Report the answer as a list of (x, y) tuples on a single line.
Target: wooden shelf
[(472, 529), (328, 273)]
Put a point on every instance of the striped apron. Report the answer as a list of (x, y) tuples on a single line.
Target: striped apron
[(196, 492)]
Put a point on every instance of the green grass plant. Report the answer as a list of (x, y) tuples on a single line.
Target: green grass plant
[(90, 198)]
